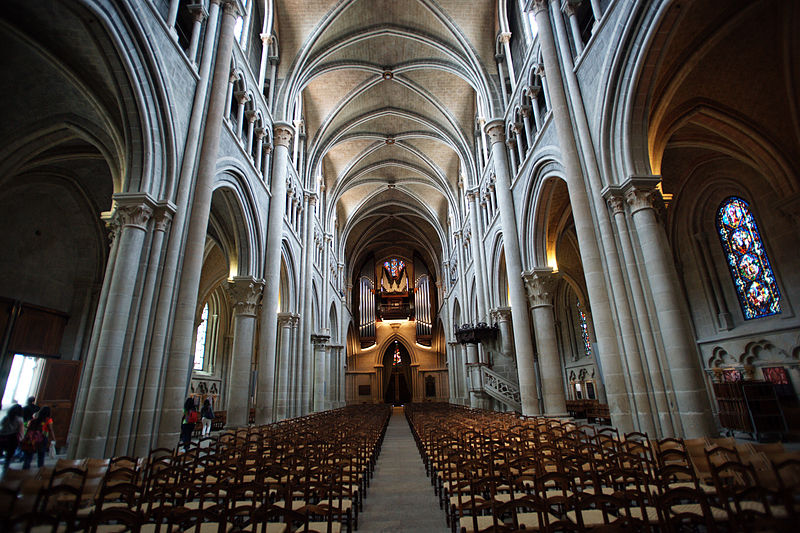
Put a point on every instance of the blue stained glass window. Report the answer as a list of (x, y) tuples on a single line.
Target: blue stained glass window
[(747, 260), (587, 345)]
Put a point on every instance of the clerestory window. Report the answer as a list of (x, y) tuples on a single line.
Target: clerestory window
[(747, 259)]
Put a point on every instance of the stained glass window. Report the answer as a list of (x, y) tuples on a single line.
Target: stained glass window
[(394, 267), (396, 358), (747, 260), (200, 343), (587, 345)]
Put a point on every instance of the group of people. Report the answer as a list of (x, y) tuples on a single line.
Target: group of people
[(191, 417), (29, 429)]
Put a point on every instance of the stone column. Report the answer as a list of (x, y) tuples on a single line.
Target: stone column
[(502, 317), (525, 111), (259, 139), (477, 252), (608, 348), (151, 383), (244, 292), (517, 129), (511, 157), (288, 324), (162, 217), (569, 10), (320, 378), (305, 371), (251, 117), (242, 98), (646, 404), (676, 333), (517, 297), (180, 357), (505, 38), (266, 40), (502, 75), (537, 114), (272, 275), (542, 283), (476, 394), (229, 94), (133, 211), (199, 13), (172, 16)]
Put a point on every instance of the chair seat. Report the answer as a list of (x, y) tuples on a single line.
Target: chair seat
[(322, 527), (695, 508), (346, 504), (466, 524), (591, 517), (650, 514), (531, 520)]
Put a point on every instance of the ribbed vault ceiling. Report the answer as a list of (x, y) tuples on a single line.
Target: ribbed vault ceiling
[(389, 92)]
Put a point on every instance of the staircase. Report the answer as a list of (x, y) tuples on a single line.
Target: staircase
[(501, 389)]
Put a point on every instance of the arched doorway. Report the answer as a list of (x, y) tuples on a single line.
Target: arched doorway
[(397, 369)]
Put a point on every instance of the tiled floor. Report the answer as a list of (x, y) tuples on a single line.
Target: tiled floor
[(400, 497)]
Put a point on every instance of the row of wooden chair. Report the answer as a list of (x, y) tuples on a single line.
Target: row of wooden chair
[(501, 472), (304, 474)]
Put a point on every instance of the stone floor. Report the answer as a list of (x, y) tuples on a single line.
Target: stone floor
[(400, 497)]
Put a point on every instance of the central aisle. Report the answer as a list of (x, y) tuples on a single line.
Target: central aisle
[(400, 497)]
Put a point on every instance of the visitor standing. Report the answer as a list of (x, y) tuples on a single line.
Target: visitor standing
[(206, 415), (30, 409), (37, 437), (12, 429), (188, 422)]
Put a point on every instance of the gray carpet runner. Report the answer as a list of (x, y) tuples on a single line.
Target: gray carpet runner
[(400, 497)]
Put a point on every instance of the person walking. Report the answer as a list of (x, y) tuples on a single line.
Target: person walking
[(30, 409), (12, 429), (206, 415), (37, 438), (188, 422)]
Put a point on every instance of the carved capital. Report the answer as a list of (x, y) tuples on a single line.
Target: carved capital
[(525, 110), (471, 194), (541, 285), (319, 341), (505, 37), (198, 12), (283, 134), (250, 115), (231, 7), (538, 69), (500, 314), (162, 216), (495, 130), (259, 133), (244, 292), (537, 5), (242, 97), (517, 128), (615, 199), (135, 216), (640, 191), (266, 39)]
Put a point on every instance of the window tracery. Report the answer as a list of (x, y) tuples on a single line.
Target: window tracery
[(747, 259)]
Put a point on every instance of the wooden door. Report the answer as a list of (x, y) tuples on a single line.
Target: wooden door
[(58, 386)]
